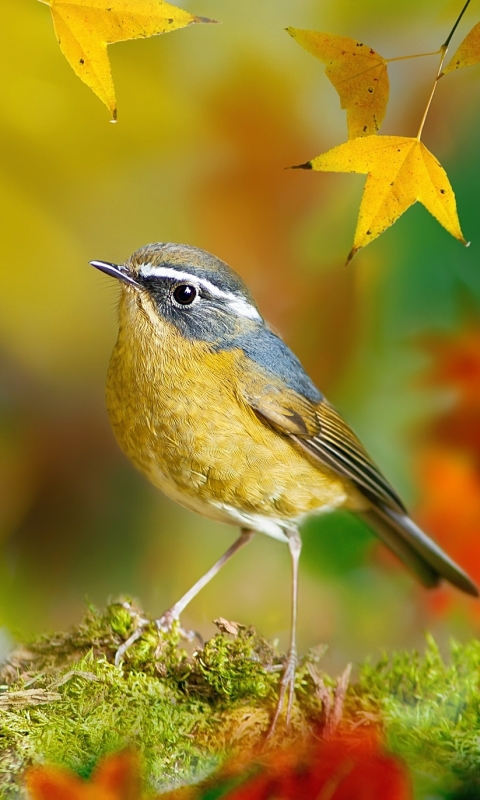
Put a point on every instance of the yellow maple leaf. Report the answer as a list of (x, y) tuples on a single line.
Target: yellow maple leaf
[(358, 73), (401, 171), (84, 28), (468, 52)]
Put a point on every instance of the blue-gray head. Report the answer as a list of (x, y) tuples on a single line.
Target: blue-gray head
[(207, 301), (192, 289)]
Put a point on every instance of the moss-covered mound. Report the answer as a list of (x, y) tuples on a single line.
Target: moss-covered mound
[(430, 710), (64, 701)]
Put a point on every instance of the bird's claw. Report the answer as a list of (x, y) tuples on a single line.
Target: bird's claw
[(168, 620), (287, 687), (164, 624)]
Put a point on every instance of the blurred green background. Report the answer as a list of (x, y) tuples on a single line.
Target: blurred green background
[(208, 119)]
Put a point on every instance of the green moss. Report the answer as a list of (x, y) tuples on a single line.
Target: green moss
[(65, 702), (231, 668), (430, 710)]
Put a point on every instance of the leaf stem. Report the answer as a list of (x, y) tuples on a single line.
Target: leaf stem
[(443, 51), (462, 12), (417, 55)]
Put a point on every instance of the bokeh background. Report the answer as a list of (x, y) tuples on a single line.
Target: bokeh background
[(209, 117)]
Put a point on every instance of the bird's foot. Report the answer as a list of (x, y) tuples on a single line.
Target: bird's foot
[(167, 622), (286, 689), (170, 619)]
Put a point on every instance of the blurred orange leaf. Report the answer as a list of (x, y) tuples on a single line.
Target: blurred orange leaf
[(449, 466), (457, 364), (450, 508), (468, 53), (358, 73), (345, 767), (401, 171), (116, 778), (84, 28), (457, 367)]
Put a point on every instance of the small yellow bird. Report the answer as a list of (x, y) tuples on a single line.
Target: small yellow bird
[(217, 412)]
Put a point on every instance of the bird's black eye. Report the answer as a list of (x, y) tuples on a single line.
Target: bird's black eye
[(185, 294)]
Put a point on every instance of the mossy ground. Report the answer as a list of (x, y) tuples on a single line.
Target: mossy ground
[(430, 710), (64, 701)]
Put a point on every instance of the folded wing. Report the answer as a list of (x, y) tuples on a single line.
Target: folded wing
[(322, 433)]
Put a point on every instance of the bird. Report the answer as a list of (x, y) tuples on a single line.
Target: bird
[(215, 409)]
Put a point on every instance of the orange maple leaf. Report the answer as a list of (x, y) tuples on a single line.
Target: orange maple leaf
[(84, 28), (116, 778), (401, 171), (358, 73), (468, 52)]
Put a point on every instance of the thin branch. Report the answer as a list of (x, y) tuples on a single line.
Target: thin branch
[(449, 37), (443, 51), (417, 55)]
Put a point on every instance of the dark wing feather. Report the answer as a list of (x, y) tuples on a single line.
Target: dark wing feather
[(277, 388), (322, 433), (417, 551), (336, 445)]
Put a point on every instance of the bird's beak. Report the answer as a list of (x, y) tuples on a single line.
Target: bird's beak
[(118, 271)]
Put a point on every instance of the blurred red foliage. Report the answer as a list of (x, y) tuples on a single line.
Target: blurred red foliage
[(342, 768), (457, 367), (348, 766), (117, 777), (450, 509), (449, 463)]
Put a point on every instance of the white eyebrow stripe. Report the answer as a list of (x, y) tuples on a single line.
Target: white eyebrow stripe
[(167, 272), (244, 309), (238, 304)]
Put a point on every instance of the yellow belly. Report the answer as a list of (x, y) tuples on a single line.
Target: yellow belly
[(183, 423)]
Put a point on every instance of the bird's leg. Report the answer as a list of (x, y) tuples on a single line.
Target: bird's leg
[(287, 683), (172, 614)]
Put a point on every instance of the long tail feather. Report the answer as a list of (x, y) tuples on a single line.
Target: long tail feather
[(417, 551)]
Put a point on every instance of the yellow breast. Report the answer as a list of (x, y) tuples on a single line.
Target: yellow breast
[(177, 412)]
